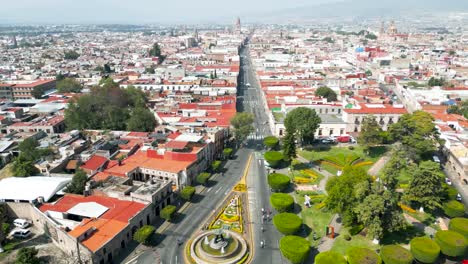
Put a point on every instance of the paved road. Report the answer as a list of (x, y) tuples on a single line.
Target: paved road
[(259, 192)]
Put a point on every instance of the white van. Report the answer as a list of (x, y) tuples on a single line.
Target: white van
[(20, 233), (21, 223)]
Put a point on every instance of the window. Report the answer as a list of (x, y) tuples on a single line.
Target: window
[(331, 132), (341, 131), (320, 132)]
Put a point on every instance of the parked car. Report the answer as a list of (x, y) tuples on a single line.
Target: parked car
[(459, 198), (20, 233), (21, 223), (448, 181), (247, 84)]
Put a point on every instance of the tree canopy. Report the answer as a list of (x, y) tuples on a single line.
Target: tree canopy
[(69, 85), (242, 123), (426, 186), (326, 92), (417, 133), (155, 51), (393, 168), (371, 133), (27, 255), (302, 122), (436, 82), (110, 107), (78, 183), (71, 55)]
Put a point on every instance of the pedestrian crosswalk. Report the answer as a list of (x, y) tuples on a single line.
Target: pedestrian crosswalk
[(255, 136)]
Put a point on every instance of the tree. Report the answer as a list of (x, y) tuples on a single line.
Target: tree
[(168, 212), (326, 92), (368, 73), (371, 132), (425, 188), (155, 51), (242, 123), (27, 255), (436, 82), (287, 223), (187, 193), (227, 153), (38, 92), (23, 167), (143, 234), (203, 178), (294, 248), (69, 85), (71, 55), (346, 192), (451, 243), (380, 212), (78, 183), (302, 122), (141, 120), (371, 36), (274, 158), (395, 254), (358, 255), (282, 202), (278, 182), (28, 149), (289, 146), (271, 142), (150, 70), (393, 168), (424, 249), (417, 133)]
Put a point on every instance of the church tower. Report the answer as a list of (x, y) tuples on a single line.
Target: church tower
[(237, 27)]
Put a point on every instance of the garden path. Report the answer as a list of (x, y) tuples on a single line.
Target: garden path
[(419, 225)]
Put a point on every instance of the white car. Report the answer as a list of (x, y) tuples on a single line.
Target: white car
[(20, 233), (448, 181), (247, 84), (21, 223)]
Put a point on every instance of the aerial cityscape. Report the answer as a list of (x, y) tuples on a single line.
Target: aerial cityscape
[(266, 132)]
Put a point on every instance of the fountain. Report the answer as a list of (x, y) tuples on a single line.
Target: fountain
[(218, 246)]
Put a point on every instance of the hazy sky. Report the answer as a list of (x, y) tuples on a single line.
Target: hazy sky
[(139, 11)]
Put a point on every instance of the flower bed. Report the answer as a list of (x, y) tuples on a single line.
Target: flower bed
[(230, 217)]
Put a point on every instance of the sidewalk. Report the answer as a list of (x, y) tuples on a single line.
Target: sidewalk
[(376, 167), (326, 243)]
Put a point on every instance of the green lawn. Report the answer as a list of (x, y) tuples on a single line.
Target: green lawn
[(316, 219), (341, 153), (341, 245)]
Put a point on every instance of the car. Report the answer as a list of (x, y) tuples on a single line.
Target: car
[(247, 84), (20, 233), (448, 181), (21, 223), (459, 198)]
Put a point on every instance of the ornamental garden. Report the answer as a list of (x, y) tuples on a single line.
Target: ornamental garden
[(393, 202)]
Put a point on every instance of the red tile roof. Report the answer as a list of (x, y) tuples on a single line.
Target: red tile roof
[(176, 144), (94, 163)]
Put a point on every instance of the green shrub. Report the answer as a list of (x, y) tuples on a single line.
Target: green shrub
[(394, 254), (451, 243), (459, 225), (424, 249), (451, 192), (274, 158), (354, 230), (295, 248), (351, 147), (454, 209), (282, 202), (271, 142), (330, 257), (347, 237), (357, 255), (203, 178), (5, 228), (168, 212), (144, 234), (278, 181), (187, 193), (287, 223)]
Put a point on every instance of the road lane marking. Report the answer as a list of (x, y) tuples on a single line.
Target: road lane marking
[(208, 190)]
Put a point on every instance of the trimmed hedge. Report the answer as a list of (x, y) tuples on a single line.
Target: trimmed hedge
[(287, 223), (424, 249), (459, 225), (295, 248), (330, 257), (203, 177), (451, 243), (274, 158), (282, 202), (144, 234), (227, 153), (358, 255), (454, 209), (187, 193), (216, 166), (271, 142), (394, 254), (278, 182)]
